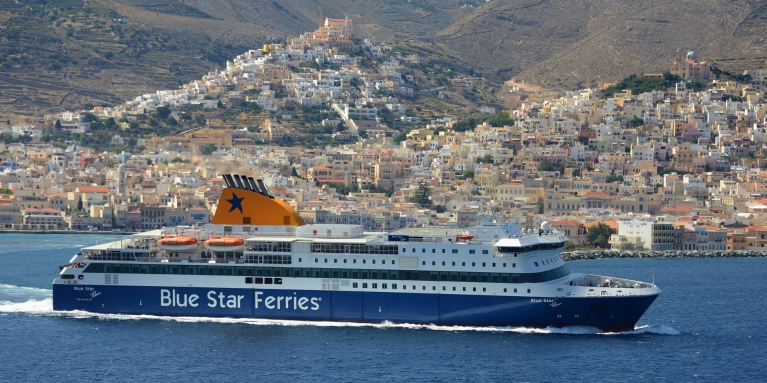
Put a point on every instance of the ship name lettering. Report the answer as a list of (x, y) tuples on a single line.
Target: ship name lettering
[(287, 302), (173, 299), (232, 301)]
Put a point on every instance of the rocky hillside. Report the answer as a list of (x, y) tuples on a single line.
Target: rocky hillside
[(567, 44), (63, 54)]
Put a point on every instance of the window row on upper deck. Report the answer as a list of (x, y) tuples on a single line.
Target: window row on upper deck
[(326, 248), (116, 255), (282, 247), (354, 248), (524, 249)]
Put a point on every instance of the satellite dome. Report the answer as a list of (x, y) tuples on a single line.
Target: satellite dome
[(545, 226)]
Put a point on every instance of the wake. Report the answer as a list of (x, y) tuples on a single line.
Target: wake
[(44, 307)]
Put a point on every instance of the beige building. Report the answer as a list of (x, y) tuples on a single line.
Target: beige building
[(689, 68)]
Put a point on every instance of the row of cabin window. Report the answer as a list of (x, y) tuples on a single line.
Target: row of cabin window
[(346, 248), (453, 251), (433, 288), (549, 260), (423, 263), (329, 273), (364, 261), (355, 285), (339, 248)]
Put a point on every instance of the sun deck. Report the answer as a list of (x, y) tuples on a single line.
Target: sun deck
[(591, 280)]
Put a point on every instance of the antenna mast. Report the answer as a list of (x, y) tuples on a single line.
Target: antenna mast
[(320, 16)]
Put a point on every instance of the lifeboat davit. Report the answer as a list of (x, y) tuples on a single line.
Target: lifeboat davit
[(225, 244), (180, 243), (464, 237)]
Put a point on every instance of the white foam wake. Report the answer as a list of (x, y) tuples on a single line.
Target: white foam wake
[(657, 329), (45, 307), (34, 307), (12, 291)]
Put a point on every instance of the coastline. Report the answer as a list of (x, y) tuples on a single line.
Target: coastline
[(599, 254), (65, 232)]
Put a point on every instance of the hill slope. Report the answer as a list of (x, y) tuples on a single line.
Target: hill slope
[(579, 43), (62, 54)]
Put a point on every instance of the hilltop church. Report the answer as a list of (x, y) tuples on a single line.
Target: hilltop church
[(689, 68)]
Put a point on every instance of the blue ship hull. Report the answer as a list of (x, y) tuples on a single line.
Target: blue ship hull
[(610, 314)]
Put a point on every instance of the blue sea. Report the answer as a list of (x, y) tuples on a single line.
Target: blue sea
[(706, 326)]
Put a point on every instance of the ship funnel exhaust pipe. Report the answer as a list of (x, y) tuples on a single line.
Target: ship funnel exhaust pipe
[(253, 185), (239, 181), (264, 190), (229, 181)]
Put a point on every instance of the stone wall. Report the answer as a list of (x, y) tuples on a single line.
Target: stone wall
[(596, 254)]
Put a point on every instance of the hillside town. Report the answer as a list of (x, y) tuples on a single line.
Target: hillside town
[(683, 168)]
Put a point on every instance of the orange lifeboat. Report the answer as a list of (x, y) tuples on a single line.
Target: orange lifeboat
[(225, 244), (180, 243), (464, 237)]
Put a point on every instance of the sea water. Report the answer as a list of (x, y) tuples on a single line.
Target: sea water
[(707, 325)]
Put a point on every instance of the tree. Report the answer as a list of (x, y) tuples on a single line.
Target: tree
[(422, 196), (501, 119), (293, 171), (6, 191), (569, 246), (635, 122), (487, 159), (208, 149), (162, 112), (440, 208), (640, 84), (602, 241), (600, 234), (545, 166), (79, 205), (696, 86), (613, 178), (342, 189), (58, 125), (468, 174), (462, 126)]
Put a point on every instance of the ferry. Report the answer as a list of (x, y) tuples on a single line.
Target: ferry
[(259, 259)]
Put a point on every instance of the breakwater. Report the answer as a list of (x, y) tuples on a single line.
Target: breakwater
[(597, 254)]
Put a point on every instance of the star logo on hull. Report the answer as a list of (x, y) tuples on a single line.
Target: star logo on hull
[(236, 203)]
